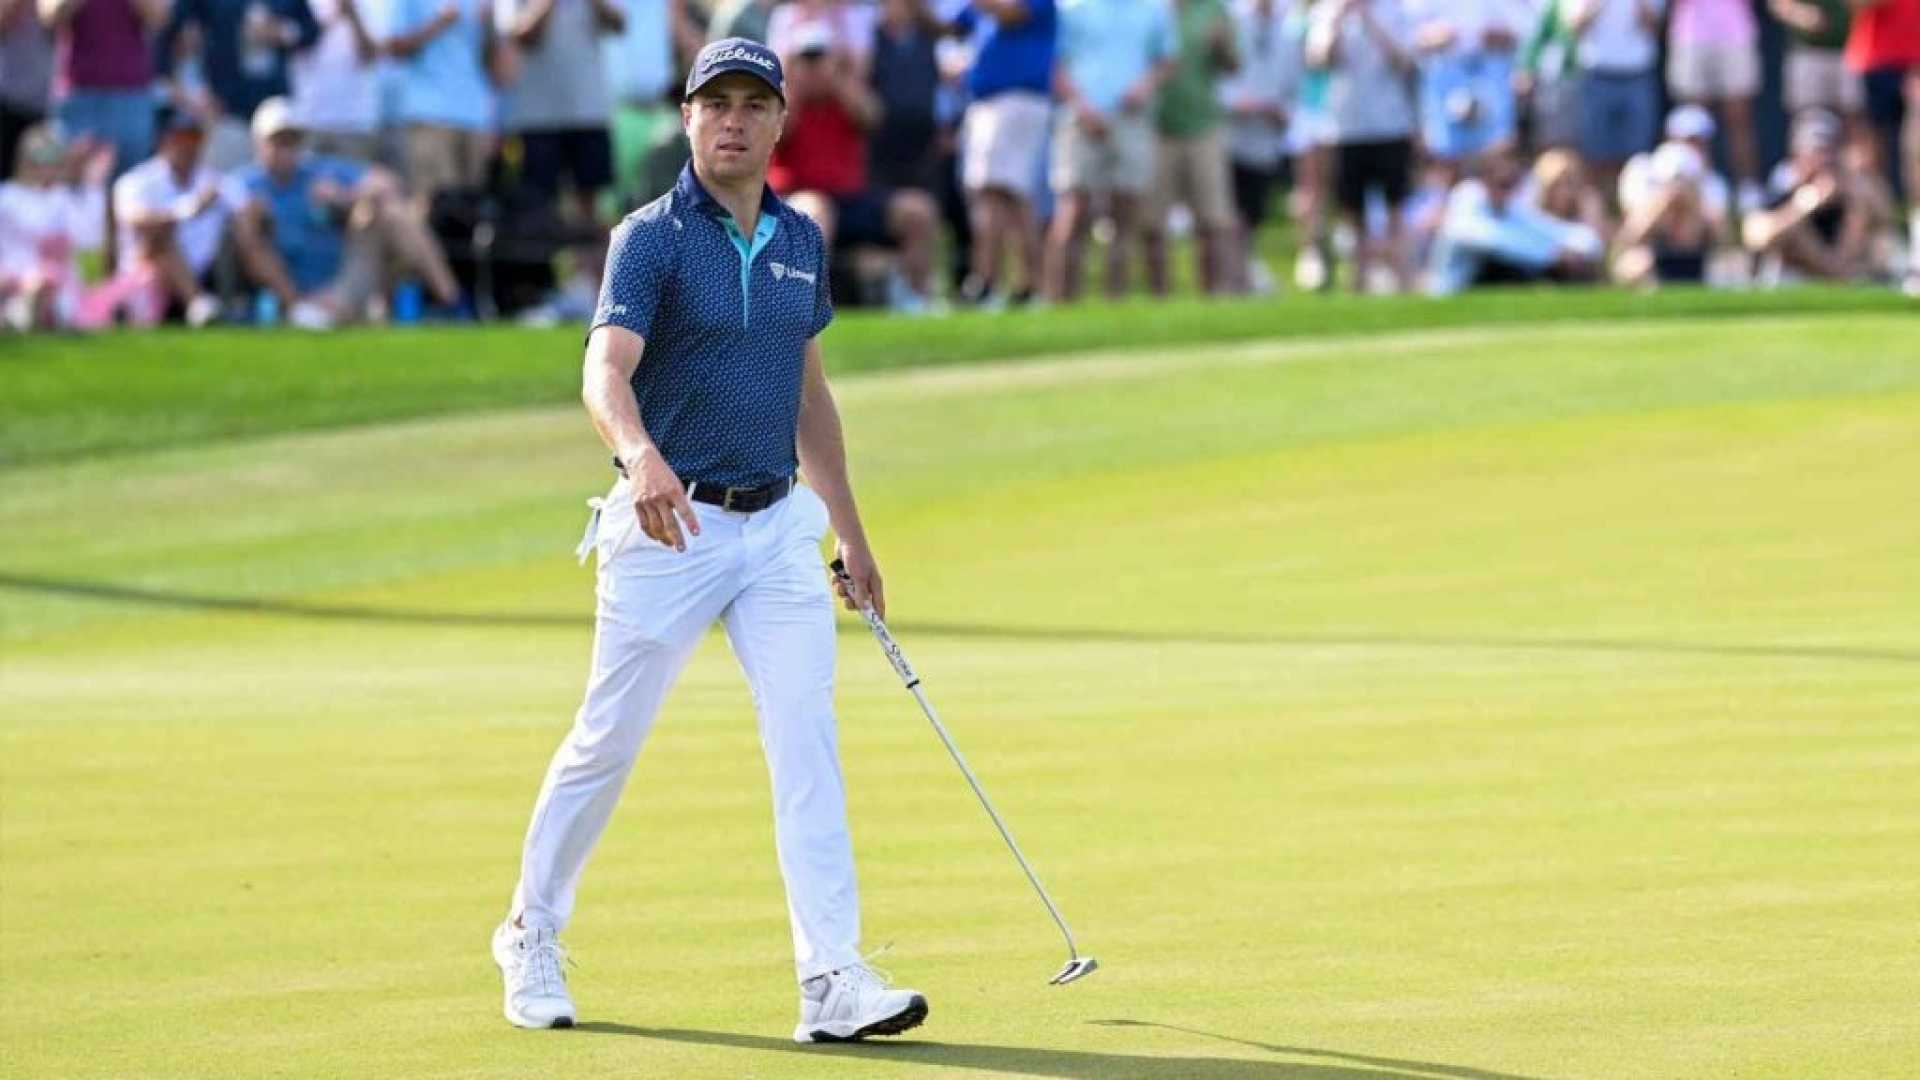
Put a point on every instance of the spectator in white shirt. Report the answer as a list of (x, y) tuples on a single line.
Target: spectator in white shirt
[(171, 218), (50, 211), (1367, 46), (1493, 234)]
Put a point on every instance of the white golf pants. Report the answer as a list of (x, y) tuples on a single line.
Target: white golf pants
[(761, 575)]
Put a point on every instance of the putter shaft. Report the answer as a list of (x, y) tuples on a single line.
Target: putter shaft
[(898, 658)]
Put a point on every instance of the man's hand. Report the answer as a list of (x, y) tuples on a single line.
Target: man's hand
[(864, 575), (659, 500), (1090, 121)]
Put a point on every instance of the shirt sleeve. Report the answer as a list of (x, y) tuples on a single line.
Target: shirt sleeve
[(822, 286), (639, 265)]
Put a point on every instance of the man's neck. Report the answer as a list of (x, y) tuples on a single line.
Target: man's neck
[(741, 199)]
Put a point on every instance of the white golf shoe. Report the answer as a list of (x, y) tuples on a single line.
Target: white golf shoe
[(530, 963), (853, 1003)]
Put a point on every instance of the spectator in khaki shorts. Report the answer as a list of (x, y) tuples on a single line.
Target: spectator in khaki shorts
[(446, 106), (325, 234), (1111, 59), (1191, 160), (1816, 74), (1005, 137), (336, 84), (1713, 60)]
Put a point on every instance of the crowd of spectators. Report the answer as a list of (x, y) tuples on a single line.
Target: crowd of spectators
[(323, 162)]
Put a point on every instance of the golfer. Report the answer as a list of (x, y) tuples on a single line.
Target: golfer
[(703, 375)]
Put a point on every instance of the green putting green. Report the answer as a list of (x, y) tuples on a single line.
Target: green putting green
[(1484, 703)]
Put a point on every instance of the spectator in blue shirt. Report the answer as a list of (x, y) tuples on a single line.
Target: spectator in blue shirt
[(1004, 136), (1112, 57), (242, 54), (446, 51), (322, 234)]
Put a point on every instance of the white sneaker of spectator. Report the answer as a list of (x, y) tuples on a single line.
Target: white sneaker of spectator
[(202, 310), (307, 315)]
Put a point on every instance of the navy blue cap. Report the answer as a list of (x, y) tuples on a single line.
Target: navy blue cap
[(736, 54)]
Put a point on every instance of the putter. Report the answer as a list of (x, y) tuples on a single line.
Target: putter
[(1077, 966)]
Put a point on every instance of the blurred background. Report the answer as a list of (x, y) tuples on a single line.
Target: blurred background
[(326, 162)]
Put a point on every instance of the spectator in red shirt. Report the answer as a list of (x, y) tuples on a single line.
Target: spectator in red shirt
[(820, 165), (1884, 47)]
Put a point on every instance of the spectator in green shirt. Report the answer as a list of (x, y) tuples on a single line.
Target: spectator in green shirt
[(1192, 155), (1816, 75)]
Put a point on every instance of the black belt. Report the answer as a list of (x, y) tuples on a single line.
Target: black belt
[(745, 500)]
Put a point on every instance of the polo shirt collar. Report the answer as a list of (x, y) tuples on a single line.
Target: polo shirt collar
[(688, 187)]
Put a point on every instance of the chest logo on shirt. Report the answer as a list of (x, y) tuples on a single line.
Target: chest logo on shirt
[(781, 272)]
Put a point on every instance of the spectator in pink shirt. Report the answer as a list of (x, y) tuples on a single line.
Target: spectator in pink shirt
[(1713, 60)]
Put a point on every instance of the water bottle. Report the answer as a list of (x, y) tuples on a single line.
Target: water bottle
[(409, 303), (266, 308)]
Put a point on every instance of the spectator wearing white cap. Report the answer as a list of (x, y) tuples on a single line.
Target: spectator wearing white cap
[(1825, 219), (324, 234), (1670, 235), (1687, 125), (1713, 60)]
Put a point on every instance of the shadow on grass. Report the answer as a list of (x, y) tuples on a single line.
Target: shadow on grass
[(109, 592), (1077, 1064)]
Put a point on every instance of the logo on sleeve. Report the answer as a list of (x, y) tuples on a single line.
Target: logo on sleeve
[(781, 272)]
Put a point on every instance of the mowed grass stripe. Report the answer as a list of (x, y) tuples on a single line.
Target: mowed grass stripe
[(1388, 728)]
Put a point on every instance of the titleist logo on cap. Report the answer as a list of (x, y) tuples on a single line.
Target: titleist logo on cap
[(735, 52)]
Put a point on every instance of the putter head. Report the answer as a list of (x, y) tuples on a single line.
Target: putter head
[(1078, 967)]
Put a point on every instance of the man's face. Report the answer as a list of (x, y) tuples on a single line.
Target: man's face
[(181, 148), (733, 123), (280, 152)]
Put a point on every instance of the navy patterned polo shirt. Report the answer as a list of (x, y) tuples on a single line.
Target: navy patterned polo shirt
[(726, 320)]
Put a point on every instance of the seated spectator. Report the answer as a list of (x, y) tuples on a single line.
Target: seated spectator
[(1560, 187), (1004, 142), (1110, 60), (820, 164), (245, 47), (1257, 100), (172, 218), (1191, 159), (26, 76), (1670, 231), (1713, 60), (1467, 50), (1492, 234), (1690, 126), (1824, 220), (52, 209), (323, 234), (1367, 46), (447, 58), (336, 84)]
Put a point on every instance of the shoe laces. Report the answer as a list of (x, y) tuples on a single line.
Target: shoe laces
[(544, 958), (868, 975)]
